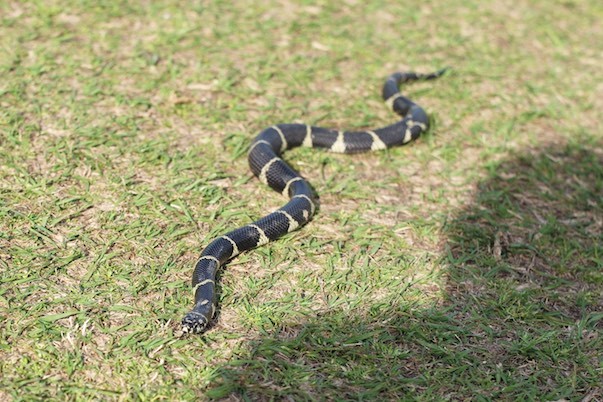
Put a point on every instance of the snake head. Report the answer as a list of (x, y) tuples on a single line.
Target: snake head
[(194, 323)]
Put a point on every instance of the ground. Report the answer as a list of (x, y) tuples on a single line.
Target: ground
[(466, 266)]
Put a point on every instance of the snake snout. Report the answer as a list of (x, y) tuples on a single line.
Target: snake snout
[(194, 323)]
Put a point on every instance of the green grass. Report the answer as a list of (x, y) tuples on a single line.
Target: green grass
[(467, 266)]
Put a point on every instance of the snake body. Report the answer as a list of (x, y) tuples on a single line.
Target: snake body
[(266, 164)]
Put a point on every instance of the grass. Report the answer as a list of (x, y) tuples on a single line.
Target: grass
[(467, 266)]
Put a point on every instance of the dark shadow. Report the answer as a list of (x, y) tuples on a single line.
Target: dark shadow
[(536, 230), (520, 318)]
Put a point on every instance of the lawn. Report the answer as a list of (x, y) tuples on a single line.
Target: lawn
[(465, 266)]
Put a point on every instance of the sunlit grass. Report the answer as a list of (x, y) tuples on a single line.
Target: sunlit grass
[(464, 266)]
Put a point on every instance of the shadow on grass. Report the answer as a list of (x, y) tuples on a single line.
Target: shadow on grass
[(520, 319)]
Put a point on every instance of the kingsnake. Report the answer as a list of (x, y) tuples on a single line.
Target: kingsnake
[(266, 164)]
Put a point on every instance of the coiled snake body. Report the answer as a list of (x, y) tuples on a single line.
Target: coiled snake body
[(266, 164)]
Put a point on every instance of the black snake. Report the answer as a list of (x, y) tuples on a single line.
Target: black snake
[(266, 164)]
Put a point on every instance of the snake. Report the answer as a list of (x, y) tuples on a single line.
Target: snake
[(264, 157)]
